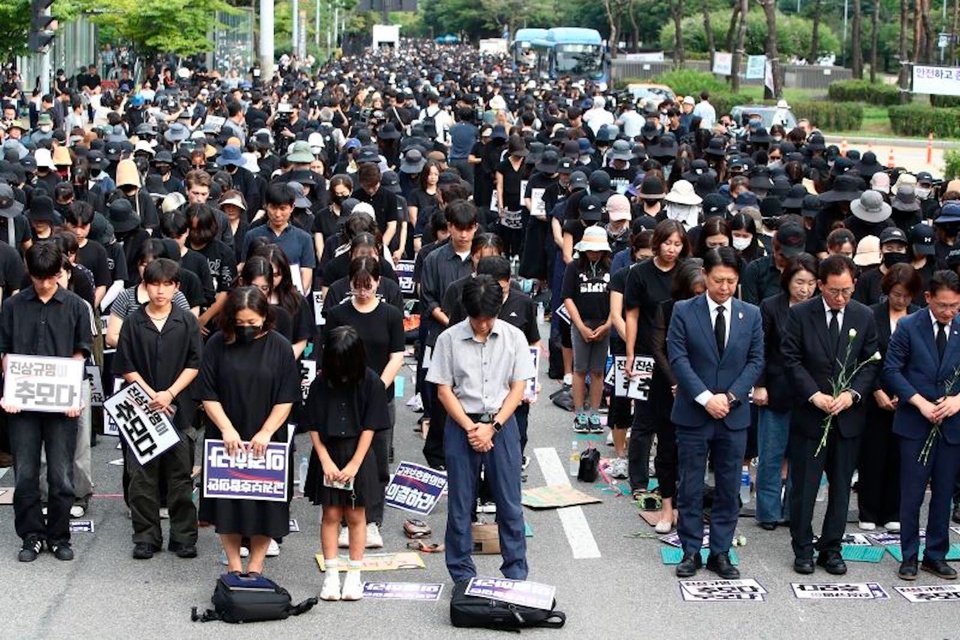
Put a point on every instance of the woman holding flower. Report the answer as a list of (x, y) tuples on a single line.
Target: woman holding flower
[(922, 369), (830, 356)]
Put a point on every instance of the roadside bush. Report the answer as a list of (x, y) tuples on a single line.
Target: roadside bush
[(951, 169), (917, 120), (830, 116), (944, 101), (687, 82), (882, 95)]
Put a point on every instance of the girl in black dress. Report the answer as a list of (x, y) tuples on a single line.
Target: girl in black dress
[(346, 405), (249, 381)]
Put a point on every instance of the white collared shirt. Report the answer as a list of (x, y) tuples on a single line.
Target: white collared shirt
[(727, 310), (828, 314), (935, 322)]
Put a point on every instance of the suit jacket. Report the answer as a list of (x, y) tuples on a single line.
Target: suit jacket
[(913, 366), (698, 366), (811, 362)]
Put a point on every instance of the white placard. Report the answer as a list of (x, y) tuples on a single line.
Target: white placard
[(723, 63), (937, 593), (295, 276), (755, 67), (839, 591), (530, 391), (148, 433), (96, 380), (938, 81), (721, 590), (308, 372), (538, 208), (318, 308), (42, 383), (637, 387)]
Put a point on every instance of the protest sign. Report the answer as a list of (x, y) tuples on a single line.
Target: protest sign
[(402, 591), (415, 488), (530, 391), (97, 396), (42, 383), (555, 496), (381, 561), (243, 476), (721, 590), (149, 433), (637, 387), (938, 593), (839, 591), (404, 271), (519, 592), (308, 372)]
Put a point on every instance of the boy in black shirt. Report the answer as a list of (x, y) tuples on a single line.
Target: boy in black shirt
[(159, 348)]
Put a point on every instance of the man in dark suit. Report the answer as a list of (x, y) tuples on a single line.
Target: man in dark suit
[(715, 345), (923, 359), (820, 334)]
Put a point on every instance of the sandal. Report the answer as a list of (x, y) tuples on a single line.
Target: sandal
[(420, 545), (416, 529)]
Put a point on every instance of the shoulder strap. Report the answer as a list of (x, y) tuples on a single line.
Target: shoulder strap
[(206, 616), (303, 607), (556, 620)]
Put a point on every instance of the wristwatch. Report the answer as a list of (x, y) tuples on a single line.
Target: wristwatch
[(497, 426), (732, 400)]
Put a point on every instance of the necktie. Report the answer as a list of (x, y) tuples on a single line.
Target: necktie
[(720, 330), (834, 329), (941, 339)]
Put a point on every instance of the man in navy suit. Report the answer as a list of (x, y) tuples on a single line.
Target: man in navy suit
[(821, 333), (715, 345), (924, 354)]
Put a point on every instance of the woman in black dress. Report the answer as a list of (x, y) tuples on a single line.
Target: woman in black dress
[(347, 405), (249, 381)]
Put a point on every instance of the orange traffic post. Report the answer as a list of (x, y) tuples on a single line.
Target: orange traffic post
[(843, 147), (891, 163), (930, 148)]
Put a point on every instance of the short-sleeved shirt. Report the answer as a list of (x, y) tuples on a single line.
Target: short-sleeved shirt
[(617, 283), (93, 256), (59, 327), (381, 331), (481, 373), (588, 289), (223, 264), (126, 303), (646, 287), (295, 243), (338, 412)]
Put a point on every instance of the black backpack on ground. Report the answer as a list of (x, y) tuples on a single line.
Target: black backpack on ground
[(263, 600), (589, 469), (484, 613)]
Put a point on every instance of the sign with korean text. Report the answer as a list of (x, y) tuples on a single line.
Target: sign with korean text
[(723, 63), (404, 271), (839, 591), (935, 593), (243, 476), (520, 592), (755, 67), (538, 208), (308, 372), (42, 383), (317, 297), (530, 391), (96, 382), (149, 433), (637, 387), (402, 591), (721, 590), (938, 81), (415, 488)]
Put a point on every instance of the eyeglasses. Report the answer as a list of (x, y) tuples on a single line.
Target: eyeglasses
[(945, 307), (838, 293)]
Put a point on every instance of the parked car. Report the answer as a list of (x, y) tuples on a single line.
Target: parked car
[(655, 92), (770, 115)]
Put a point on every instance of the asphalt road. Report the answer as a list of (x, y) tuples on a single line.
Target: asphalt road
[(618, 588)]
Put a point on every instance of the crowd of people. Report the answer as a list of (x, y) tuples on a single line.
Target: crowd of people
[(758, 294)]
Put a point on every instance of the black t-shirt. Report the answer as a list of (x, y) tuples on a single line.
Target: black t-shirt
[(587, 288), (196, 263), (337, 412), (511, 184), (327, 223), (339, 267), (646, 287), (339, 293), (384, 205), (867, 290), (620, 179), (576, 229), (222, 262), (381, 331), (117, 261), (426, 205), (93, 256), (12, 272), (617, 283), (191, 288)]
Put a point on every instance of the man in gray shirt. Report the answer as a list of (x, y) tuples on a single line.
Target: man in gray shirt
[(481, 366)]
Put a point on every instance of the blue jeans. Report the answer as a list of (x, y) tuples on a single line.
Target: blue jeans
[(57, 434), (502, 470), (773, 433)]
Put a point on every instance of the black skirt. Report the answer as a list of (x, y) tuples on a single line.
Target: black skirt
[(366, 484)]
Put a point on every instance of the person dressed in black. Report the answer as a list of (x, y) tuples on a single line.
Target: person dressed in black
[(160, 350), (248, 383), (820, 334), (346, 407)]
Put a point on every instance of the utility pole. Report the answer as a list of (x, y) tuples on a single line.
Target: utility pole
[(295, 44), (266, 39)]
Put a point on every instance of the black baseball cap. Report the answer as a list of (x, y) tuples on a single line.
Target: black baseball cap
[(792, 239)]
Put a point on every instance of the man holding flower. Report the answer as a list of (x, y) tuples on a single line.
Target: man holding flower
[(923, 367), (830, 356)]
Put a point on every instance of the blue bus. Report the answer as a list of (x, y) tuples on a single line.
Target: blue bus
[(573, 52)]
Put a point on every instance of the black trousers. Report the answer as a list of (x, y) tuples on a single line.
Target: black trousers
[(878, 490), (838, 459)]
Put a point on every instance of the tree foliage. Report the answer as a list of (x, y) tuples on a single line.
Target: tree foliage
[(793, 34), (15, 23)]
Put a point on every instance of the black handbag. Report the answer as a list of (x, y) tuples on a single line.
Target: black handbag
[(484, 613), (589, 469), (241, 598)]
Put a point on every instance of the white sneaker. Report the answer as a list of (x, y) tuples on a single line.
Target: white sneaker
[(223, 557), (892, 527), (343, 540), (274, 549), (330, 591), (164, 513), (610, 438), (77, 511), (374, 539), (664, 526), (619, 469), (352, 587), (244, 552), (866, 526)]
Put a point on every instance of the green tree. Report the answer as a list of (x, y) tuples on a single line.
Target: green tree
[(15, 23)]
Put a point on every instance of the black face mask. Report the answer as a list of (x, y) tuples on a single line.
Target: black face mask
[(337, 198), (890, 259), (247, 333)]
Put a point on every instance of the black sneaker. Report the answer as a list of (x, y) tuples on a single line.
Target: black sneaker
[(32, 545), (62, 551), (144, 550), (183, 550)]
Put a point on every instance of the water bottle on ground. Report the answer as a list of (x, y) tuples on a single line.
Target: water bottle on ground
[(822, 491), (745, 484), (302, 478), (575, 459)]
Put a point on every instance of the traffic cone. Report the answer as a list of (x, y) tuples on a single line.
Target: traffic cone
[(891, 163), (843, 147), (930, 148)]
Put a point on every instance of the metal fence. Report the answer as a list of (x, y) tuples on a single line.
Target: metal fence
[(795, 76)]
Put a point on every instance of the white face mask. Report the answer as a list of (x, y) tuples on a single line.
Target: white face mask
[(922, 193), (741, 243)]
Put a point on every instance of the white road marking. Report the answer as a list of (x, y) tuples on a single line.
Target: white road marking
[(575, 526)]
